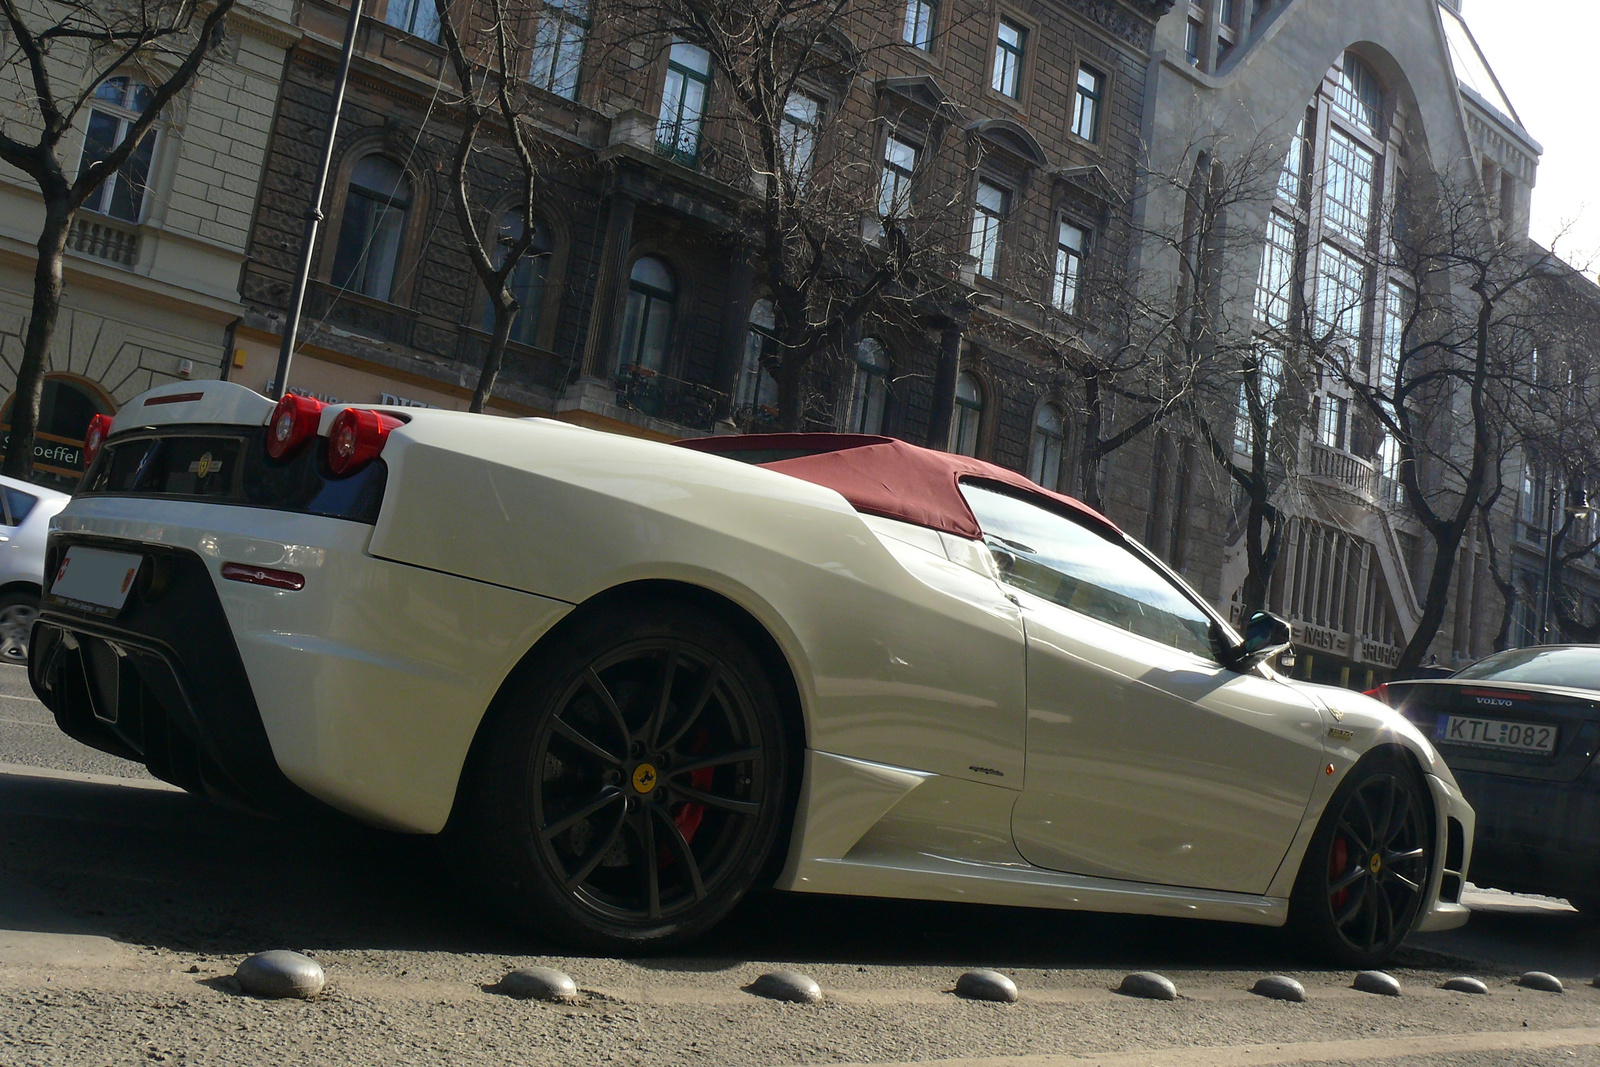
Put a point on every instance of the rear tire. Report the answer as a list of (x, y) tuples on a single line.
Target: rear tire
[(1365, 875), (18, 612), (630, 780)]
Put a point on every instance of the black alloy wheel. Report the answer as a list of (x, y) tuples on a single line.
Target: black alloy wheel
[(1365, 877), (634, 796)]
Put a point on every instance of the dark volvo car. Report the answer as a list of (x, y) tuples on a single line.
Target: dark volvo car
[(1520, 730)]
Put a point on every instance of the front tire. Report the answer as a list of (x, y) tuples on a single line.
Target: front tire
[(1365, 876), (631, 780)]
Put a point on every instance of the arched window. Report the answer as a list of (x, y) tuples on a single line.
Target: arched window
[(375, 208), (1045, 450), (647, 322), (968, 415), (117, 105), (527, 279), (870, 393), (65, 408), (757, 393)]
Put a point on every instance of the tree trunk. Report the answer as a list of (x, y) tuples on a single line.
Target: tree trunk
[(1089, 455), (1434, 603), (791, 400), (1261, 558), (36, 348), (503, 317)]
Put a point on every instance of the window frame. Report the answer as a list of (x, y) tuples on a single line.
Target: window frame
[(919, 16), (413, 8), (399, 282), (869, 388), (964, 410), (561, 14), (673, 149), (653, 296), (124, 112), (1058, 290), (1039, 458), (1221, 634), (897, 184), (1009, 58), (1096, 100), (988, 241), (789, 143)]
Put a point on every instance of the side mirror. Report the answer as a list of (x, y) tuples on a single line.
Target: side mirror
[(1265, 635)]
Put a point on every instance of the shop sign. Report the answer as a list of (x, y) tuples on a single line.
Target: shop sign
[(1309, 638), (1380, 655), (51, 453)]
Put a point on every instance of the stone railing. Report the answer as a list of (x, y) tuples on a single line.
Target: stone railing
[(1343, 468), (103, 238)]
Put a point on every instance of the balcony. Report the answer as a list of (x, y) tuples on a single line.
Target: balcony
[(1344, 469), (690, 404), (99, 237)]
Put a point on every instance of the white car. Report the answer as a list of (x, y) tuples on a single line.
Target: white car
[(25, 513), (638, 680)]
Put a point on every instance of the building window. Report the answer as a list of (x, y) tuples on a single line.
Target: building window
[(1269, 379), (527, 278), (683, 102), (1294, 165), (1275, 286), (1007, 78), (1396, 310), (373, 226), (894, 191), (919, 24), (1333, 421), (647, 322), (1341, 296), (869, 394), (1047, 446), (797, 135), (558, 46), (420, 18), (1070, 244), (968, 415), (117, 105), (988, 214), (1086, 106), (1534, 501), (756, 393), (1356, 93), (1347, 192), (1191, 42)]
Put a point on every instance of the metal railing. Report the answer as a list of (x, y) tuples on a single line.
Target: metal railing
[(691, 404)]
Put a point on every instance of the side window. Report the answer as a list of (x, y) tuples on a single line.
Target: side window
[(1060, 560), (18, 504)]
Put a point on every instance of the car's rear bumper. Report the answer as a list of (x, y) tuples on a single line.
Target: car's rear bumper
[(1536, 836), (363, 689)]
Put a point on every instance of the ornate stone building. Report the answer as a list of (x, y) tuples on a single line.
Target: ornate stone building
[(153, 264), (641, 318), (1352, 95)]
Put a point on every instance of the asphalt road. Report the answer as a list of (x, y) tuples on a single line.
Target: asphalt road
[(125, 906)]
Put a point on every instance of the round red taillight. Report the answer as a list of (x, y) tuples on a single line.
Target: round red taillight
[(294, 421), (356, 437), (99, 427)]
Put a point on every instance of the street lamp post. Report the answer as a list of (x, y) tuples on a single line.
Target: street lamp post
[(1578, 507)]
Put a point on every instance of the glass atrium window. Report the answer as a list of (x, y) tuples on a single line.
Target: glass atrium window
[(1347, 193), (1356, 93)]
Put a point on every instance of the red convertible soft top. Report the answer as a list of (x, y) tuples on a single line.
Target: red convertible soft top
[(888, 477)]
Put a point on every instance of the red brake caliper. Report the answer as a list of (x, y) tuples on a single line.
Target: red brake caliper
[(690, 815), (1338, 861)]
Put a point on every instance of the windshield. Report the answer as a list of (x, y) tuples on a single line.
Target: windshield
[(1578, 668)]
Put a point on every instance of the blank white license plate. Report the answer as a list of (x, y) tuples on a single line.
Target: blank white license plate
[(94, 579), (1495, 733)]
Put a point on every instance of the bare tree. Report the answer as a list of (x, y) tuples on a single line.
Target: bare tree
[(483, 39), (1450, 384), (832, 240), (61, 53)]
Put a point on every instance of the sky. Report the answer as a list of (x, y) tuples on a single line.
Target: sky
[(1543, 53)]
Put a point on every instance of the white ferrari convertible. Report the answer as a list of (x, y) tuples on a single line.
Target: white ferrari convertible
[(636, 680)]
